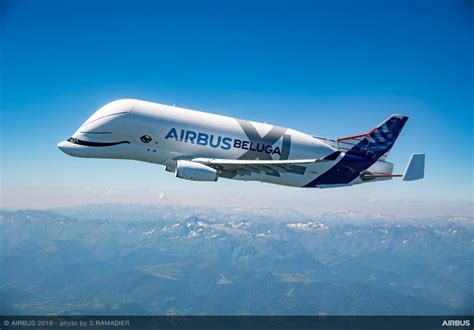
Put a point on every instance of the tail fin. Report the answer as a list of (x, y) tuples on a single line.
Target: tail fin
[(378, 141)]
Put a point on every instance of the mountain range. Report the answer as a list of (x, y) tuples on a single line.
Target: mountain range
[(148, 260)]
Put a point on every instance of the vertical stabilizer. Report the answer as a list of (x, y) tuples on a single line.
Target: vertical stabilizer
[(378, 141)]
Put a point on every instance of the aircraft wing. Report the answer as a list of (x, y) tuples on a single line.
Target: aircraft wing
[(270, 167)]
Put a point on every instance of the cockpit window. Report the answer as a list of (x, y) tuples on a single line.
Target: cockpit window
[(95, 144)]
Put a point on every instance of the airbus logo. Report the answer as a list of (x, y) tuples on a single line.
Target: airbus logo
[(456, 323), (223, 142)]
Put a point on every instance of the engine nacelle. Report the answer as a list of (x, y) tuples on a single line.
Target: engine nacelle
[(188, 170)]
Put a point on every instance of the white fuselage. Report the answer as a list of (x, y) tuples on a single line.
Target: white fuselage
[(161, 134)]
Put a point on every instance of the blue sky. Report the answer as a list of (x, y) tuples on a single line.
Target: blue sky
[(329, 68)]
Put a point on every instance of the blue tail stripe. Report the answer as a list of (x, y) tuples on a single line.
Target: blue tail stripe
[(365, 153)]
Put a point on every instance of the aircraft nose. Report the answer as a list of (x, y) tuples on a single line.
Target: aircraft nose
[(62, 145), (65, 147)]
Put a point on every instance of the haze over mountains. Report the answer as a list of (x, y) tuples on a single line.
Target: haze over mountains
[(148, 259)]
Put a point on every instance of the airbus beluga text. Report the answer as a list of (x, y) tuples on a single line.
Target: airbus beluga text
[(204, 147)]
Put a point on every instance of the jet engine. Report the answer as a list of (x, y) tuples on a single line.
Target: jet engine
[(189, 170)]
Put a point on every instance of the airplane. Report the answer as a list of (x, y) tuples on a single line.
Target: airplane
[(200, 146)]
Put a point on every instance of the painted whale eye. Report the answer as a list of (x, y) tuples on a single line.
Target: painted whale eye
[(145, 138)]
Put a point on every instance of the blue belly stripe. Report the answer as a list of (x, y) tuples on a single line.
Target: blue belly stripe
[(346, 170)]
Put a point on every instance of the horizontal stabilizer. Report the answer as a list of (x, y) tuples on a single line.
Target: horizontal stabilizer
[(415, 169), (369, 176)]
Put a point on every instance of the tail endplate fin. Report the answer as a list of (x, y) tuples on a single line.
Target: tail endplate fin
[(415, 169)]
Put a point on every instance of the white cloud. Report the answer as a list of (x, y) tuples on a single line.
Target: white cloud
[(90, 191)]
